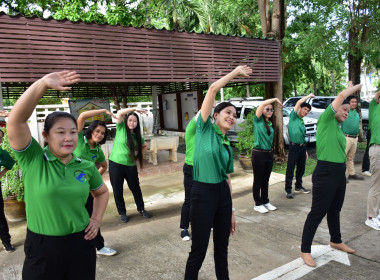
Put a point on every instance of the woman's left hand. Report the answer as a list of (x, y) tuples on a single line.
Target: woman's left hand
[(92, 229), (233, 224)]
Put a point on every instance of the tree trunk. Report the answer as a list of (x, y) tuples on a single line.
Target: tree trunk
[(124, 101), (116, 103), (294, 85), (277, 27), (263, 16)]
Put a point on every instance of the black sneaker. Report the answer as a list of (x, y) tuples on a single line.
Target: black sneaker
[(9, 248), (302, 190), (124, 218), (145, 214), (185, 236), (289, 195)]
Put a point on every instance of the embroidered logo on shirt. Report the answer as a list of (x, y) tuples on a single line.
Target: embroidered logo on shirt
[(94, 157), (80, 176)]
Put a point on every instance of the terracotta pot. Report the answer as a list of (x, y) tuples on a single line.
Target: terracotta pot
[(246, 163), (14, 210)]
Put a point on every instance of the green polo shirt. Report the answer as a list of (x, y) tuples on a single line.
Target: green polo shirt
[(331, 143), (55, 193), (262, 141), (374, 122), (120, 150), (213, 158), (6, 160), (351, 125), (84, 150), (296, 129), (190, 141)]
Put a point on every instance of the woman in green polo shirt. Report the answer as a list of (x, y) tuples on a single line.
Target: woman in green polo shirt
[(128, 146), (211, 203), (57, 183), (89, 149), (262, 155), (7, 162), (329, 182)]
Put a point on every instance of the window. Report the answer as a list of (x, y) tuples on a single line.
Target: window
[(364, 104), (292, 102), (321, 103)]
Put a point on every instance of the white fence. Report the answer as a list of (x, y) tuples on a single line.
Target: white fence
[(36, 120)]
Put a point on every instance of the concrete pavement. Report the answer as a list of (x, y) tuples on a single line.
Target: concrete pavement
[(152, 248)]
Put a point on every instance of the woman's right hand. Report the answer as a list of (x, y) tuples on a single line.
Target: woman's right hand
[(61, 80), (141, 111), (244, 70), (109, 114), (279, 102)]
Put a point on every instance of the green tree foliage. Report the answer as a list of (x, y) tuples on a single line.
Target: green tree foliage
[(12, 183)]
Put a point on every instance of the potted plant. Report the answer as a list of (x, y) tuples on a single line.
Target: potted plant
[(245, 140), (13, 188)]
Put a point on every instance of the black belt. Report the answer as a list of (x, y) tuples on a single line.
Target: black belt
[(299, 145), (262, 151), (351, 136)]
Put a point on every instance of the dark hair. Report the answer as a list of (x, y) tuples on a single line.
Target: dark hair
[(222, 105), (346, 101), (352, 97), (52, 118), (130, 140), (306, 105), (90, 129)]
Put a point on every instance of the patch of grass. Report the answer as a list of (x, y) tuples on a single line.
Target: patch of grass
[(362, 145), (280, 167)]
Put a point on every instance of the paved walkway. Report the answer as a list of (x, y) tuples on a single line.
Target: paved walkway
[(265, 246)]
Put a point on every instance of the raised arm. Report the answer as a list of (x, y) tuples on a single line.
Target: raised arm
[(337, 103), (208, 102), (122, 112), (89, 114), (301, 101), (260, 109), (18, 131)]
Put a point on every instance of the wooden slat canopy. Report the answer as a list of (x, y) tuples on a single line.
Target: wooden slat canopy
[(126, 60)]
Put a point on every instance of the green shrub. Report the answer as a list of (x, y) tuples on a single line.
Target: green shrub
[(11, 183), (245, 137)]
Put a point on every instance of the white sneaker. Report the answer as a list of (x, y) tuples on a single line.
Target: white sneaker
[(106, 251), (260, 209), (367, 173), (270, 207), (373, 223)]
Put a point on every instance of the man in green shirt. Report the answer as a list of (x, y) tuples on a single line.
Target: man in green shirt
[(297, 147), (350, 128), (374, 156)]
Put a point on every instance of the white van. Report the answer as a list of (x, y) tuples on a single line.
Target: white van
[(245, 105)]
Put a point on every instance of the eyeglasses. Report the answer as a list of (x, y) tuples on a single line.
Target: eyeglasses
[(269, 109)]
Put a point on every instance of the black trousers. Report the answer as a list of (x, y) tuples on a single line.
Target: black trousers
[(211, 207), (296, 157), (119, 173), (366, 163), (329, 188), (187, 183), (4, 229), (98, 241), (262, 163), (69, 257)]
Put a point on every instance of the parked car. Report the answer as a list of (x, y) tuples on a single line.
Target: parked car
[(244, 107), (320, 103)]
